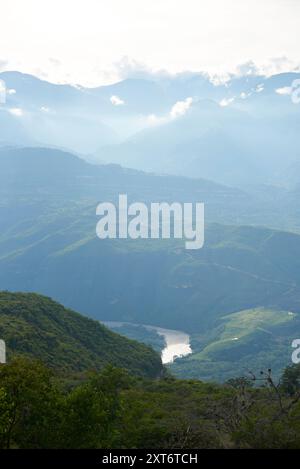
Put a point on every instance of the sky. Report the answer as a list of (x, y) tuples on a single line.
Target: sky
[(94, 42)]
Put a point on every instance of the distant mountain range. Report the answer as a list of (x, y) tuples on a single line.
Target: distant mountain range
[(241, 130)]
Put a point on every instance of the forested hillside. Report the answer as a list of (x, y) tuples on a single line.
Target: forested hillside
[(114, 410), (37, 327)]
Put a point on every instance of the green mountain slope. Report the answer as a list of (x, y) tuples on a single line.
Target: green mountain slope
[(36, 326), (155, 282), (48, 245), (248, 340), (39, 181)]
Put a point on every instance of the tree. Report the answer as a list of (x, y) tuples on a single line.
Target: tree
[(28, 405), (93, 411), (290, 380)]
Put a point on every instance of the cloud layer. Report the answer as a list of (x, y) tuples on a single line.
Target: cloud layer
[(82, 41)]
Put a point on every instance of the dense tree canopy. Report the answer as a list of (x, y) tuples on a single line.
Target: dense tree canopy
[(112, 409)]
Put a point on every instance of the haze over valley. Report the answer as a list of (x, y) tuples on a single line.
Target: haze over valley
[(149, 230)]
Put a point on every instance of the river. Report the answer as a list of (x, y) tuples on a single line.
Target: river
[(177, 343)]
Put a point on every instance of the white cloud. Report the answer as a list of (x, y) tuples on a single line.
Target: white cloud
[(286, 90), (180, 108), (11, 91), (127, 67), (116, 101), (77, 87), (45, 109), (247, 68), (139, 30), (16, 111), (226, 101)]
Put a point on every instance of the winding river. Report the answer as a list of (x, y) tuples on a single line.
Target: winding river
[(177, 343)]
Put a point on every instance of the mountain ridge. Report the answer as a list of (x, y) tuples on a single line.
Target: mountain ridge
[(37, 327)]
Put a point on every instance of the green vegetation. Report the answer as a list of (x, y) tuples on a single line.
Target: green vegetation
[(237, 328), (112, 409), (37, 327), (48, 245), (74, 396), (249, 339)]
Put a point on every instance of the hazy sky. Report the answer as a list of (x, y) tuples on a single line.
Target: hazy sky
[(87, 41)]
